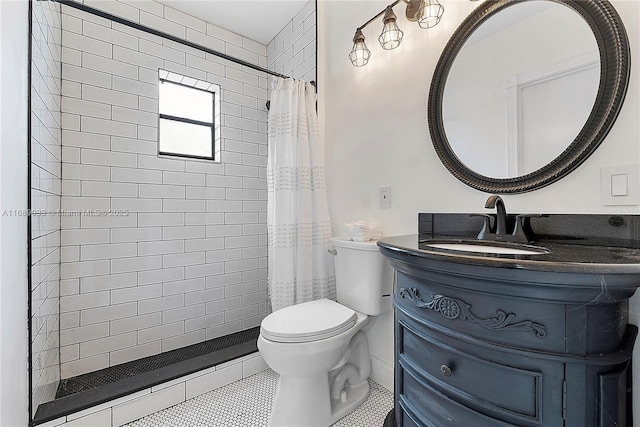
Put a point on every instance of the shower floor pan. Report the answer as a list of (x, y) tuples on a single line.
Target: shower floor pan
[(87, 390)]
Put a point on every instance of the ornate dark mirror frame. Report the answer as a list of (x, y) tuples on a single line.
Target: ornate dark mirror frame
[(613, 45)]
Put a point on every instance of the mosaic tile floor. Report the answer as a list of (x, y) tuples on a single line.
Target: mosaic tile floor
[(247, 403)]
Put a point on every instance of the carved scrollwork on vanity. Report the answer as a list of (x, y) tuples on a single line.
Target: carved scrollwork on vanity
[(455, 308)]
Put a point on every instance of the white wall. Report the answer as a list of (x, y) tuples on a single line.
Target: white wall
[(188, 261), (376, 132), (14, 21), (46, 189)]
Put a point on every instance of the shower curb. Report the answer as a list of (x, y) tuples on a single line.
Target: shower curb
[(127, 400)]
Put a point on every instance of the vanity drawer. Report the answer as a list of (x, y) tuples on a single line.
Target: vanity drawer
[(409, 418), (509, 388), (424, 406), (500, 319)]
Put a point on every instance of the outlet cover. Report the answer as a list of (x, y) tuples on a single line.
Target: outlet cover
[(385, 197)]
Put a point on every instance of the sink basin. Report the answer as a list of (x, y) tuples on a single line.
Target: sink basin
[(487, 248)]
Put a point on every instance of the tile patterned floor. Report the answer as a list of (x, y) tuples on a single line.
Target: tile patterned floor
[(247, 403)]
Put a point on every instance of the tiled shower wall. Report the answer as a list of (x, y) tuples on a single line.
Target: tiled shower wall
[(293, 51), (46, 154), (187, 262)]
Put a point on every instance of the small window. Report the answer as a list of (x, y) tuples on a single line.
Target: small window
[(187, 114)]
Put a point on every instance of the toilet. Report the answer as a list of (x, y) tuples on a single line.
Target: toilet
[(320, 349)]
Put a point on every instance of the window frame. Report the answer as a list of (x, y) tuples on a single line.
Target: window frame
[(211, 124)]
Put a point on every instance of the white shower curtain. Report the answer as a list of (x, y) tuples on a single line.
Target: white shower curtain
[(298, 226)]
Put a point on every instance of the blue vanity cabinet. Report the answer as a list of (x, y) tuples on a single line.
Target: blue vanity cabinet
[(466, 355), (534, 339)]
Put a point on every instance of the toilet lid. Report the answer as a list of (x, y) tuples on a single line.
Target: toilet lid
[(309, 321)]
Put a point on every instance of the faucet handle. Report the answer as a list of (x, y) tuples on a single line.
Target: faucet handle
[(522, 232), (486, 226)]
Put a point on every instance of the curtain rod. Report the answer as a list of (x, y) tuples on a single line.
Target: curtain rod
[(137, 26)]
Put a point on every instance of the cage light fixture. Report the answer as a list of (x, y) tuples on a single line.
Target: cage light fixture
[(359, 55), (427, 13), (391, 35), (430, 13)]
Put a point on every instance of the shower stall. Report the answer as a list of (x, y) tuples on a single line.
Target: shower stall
[(135, 254)]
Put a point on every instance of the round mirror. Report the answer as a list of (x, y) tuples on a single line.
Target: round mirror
[(526, 90)]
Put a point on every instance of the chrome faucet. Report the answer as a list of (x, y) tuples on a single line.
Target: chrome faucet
[(501, 218)]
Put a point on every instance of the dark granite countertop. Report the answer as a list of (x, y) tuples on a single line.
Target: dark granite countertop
[(562, 257)]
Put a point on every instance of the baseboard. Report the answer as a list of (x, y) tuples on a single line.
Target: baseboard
[(382, 373)]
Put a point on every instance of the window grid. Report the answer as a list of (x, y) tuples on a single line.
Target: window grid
[(211, 125)]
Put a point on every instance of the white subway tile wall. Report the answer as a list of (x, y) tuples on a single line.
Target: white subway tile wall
[(176, 253), (293, 51), (46, 191)]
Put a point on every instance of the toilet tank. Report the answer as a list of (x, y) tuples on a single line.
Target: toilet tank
[(364, 278)]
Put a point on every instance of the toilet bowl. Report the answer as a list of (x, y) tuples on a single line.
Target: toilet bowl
[(320, 349)]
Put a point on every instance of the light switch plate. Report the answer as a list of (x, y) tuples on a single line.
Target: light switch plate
[(621, 185)]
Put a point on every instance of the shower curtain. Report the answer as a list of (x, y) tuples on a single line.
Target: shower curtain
[(300, 268)]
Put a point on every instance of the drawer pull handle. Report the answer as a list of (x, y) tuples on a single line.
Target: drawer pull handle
[(446, 371), (455, 308)]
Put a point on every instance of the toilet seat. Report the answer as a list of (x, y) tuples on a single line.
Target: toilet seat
[(309, 321)]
